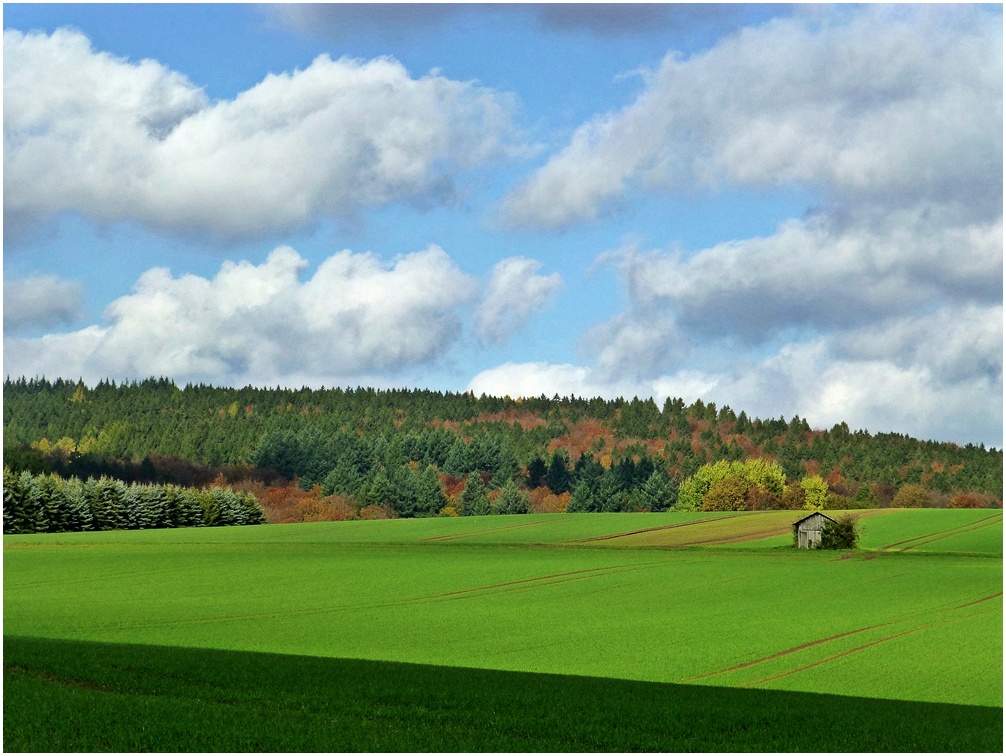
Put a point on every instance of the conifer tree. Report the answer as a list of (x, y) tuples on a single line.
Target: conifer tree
[(473, 498), (659, 493), (511, 500), (537, 471), (430, 497), (12, 502), (32, 519), (558, 478)]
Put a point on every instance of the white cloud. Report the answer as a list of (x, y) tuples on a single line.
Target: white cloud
[(514, 293), (818, 273), (39, 302), (115, 140), (537, 378), (260, 323), (824, 380), (888, 103)]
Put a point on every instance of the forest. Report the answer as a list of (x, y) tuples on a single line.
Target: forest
[(332, 454)]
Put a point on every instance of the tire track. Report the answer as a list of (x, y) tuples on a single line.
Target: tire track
[(659, 527), (951, 535), (987, 598), (789, 651), (526, 580), (473, 533), (940, 532), (867, 645), (811, 644), (553, 579), (735, 538)]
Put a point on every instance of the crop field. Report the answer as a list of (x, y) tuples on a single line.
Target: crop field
[(675, 608)]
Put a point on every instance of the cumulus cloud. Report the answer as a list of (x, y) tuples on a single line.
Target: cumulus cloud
[(514, 293), (40, 302), (853, 378), (260, 323), (817, 273), (882, 306), (88, 132), (891, 326), (890, 103)]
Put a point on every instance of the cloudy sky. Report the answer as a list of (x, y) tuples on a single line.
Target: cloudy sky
[(787, 209)]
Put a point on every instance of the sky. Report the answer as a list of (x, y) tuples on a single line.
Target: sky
[(787, 209)]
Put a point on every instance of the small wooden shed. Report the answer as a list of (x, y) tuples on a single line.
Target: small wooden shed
[(808, 530)]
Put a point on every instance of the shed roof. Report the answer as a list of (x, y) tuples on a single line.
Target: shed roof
[(813, 514)]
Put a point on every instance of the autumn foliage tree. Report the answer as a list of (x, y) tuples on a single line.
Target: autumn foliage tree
[(910, 496), (965, 501)]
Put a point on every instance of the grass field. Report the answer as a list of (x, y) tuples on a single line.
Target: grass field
[(698, 607)]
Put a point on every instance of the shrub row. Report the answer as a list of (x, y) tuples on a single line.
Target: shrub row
[(51, 504)]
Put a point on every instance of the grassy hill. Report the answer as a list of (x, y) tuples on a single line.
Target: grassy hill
[(522, 603)]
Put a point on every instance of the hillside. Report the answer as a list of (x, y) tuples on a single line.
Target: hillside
[(385, 448)]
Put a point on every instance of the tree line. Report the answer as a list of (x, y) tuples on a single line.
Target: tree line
[(48, 503), (386, 448)]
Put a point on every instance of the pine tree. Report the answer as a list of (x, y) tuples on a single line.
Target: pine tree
[(511, 500), (659, 493), (558, 478), (473, 498), (32, 518), (381, 492), (458, 460), (506, 468), (136, 514), (12, 502), (537, 471), (155, 505), (76, 494), (430, 497)]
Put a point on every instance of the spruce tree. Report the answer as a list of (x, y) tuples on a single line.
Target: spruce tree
[(12, 502), (381, 492), (537, 471), (659, 494), (473, 498), (430, 497), (558, 478), (32, 519), (511, 500)]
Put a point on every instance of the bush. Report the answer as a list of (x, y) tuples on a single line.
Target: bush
[(910, 496), (841, 534), (837, 501), (754, 472), (794, 497), (726, 495), (815, 490), (965, 501), (865, 498)]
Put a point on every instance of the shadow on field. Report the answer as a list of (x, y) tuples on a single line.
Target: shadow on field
[(80, 696)]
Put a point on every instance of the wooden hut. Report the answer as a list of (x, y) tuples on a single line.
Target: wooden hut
[(808, 530)]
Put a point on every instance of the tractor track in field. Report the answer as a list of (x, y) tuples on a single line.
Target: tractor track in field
[(475, 533), (553, 579), (741, 538), (987, 598), (869, 645), (951, 531), (954, 534), (524, 581), (657, 528), (788, 651), (811, 644)]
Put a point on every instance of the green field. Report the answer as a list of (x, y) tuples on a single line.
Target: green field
[(699, 607)]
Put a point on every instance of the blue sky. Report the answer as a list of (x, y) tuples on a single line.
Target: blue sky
[(787, 209)]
